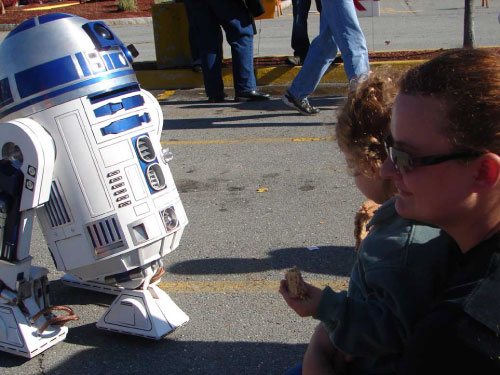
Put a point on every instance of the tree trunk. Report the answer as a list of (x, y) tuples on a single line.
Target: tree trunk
[(469, 41)]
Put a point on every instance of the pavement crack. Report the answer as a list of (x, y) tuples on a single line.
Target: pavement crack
[(40, 364)]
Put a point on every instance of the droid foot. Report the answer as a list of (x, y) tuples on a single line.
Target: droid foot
[(25, 337), (148, 313), (28, 325)]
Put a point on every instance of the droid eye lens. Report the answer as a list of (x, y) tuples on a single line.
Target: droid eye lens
[(103, 32)]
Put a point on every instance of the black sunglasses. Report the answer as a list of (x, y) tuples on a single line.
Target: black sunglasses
[(405, 163)]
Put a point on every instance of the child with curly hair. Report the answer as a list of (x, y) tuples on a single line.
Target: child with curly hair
[(400, 265)]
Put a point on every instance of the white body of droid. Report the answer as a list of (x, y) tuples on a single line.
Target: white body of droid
[(85, 139)]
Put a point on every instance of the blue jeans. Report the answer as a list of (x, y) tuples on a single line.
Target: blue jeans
[(300, 37), (208, 17), (339, 29)]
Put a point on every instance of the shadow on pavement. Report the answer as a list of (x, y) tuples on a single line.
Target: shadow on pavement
[(267, 110), (112, 353), (10, 360), (61, 294), (328, 260)]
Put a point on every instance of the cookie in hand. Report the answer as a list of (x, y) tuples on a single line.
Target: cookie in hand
[(296, 286)]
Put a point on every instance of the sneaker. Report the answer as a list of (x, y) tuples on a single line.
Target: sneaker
[(301, 105)]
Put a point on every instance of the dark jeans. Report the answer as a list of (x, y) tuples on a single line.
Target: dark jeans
[(208, 17), (300, 37), (193, 37)]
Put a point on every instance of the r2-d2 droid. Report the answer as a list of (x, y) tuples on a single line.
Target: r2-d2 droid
[(80, 144)]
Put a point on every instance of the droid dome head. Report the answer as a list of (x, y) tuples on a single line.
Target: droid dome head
[(57, 57)]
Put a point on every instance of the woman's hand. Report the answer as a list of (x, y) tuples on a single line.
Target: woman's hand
[(303, 307)]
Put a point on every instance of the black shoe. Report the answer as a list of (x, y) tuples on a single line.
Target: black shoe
[(197, 68), (295, 60), (251, 96), (218, 98), (301, 105)]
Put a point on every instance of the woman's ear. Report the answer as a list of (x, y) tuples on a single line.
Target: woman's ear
[(487, 174)]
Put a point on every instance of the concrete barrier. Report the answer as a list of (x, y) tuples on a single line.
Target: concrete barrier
[(171, 35)]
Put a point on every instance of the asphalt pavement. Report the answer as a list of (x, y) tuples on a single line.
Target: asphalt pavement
[(264, 189)]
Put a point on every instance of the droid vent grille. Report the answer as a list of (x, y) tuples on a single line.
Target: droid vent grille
[(104, 235), (155, 177), (55, 207), (169, 218), (145, 149)]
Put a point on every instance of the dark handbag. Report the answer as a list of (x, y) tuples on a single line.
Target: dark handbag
[(255, 7)]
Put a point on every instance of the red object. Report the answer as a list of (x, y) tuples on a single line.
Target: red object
[(359, 6)]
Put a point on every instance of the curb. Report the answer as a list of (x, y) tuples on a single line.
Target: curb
[(185, 78), (109, 22)]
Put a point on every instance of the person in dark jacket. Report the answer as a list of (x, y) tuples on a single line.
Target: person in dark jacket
[(234, 17), (444, 159), (400, 265)]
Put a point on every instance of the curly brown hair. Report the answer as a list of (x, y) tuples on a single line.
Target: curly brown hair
[(364, 119), (468, 82)]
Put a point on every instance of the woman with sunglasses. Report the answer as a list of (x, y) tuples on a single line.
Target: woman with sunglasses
[(444, 159), (400, 266)]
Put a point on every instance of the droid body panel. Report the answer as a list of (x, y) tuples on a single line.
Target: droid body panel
[(105, 197)]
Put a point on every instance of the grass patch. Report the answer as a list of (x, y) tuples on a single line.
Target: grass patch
[(126, 5)]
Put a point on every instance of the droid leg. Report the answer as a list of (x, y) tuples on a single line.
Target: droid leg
[(147, 311), (27, 324)]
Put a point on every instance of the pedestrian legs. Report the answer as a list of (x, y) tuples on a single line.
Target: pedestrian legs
[(300, 37), (239, 35), (343, 23), (339, 29), (193, 35), (321, 53), (210, 45)]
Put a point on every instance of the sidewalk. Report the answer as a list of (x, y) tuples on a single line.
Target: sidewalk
[(400, 26)]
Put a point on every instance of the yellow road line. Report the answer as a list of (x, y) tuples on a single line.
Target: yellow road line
[(51, 7), (236, 286), (254, 140), (165, 94)]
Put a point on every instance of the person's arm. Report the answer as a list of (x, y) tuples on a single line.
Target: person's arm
[(381, 323), (370, 327)]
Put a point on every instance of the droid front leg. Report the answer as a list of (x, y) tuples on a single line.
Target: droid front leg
[(141, 307), (147, 312)]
